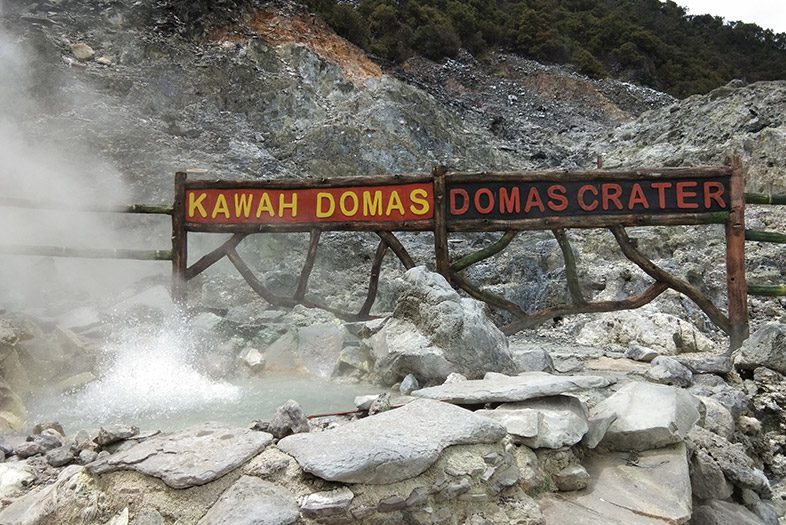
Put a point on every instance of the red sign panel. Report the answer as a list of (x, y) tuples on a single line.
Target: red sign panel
[(401, 202)]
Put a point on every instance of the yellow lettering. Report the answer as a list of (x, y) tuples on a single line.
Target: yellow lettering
[(343, 204), (372, 207), (418, 196), (284, 205), (220, 207), (243, 204), (265, 205), (196, 204), (321, 197), (394, 204)]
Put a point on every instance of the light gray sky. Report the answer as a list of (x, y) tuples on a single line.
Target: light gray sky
[(770, 14)]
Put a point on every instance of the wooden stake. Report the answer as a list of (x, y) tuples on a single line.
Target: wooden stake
[(392, 241), (441, 249), (373, 283), (302, 282), (179, 241), (735, 259), (571, 275)]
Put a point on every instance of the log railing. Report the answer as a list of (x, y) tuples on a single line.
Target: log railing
[(758, 289)]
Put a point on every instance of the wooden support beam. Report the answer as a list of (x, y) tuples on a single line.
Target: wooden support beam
[(305, 273), (486, 296), (179, 240), (441, 250), (395, 245), (631, 303), (485, 253), (213, 257), (735, 260), (571, 275), (373, 284), (675, 283)]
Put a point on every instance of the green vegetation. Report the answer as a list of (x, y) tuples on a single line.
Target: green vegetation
[(645, 41)]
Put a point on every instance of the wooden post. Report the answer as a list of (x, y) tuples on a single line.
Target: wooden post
[(441, 250), (735, 259), (305, 273), (179, 240)]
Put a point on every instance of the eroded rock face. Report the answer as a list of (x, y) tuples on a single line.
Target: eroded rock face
[(191, 457), (648, 416), (766, 347), (391, 446)]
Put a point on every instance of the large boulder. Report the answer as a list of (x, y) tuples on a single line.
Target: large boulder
[(766, 347), (390, 446), (434, 332), (648, 416), (664, 333), (252, 501), (717, 512)]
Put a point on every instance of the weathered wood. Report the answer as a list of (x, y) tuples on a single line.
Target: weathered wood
[(441, 249), (87, 253), (395, 245), (773, 237), (305, 184), (764, 198), (156, 209), (767, 290), (179, 240), (631, 303), (610, 175), (571, 275), (277, 300), (373, 283), (486, 296), (485, 253), (599, 161), (675, 283), (305, 273), (735, 260), (361, 226), (585, 222), (213, 257)]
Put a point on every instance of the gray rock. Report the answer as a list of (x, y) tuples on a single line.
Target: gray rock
[(363, 402), (14, 476), (716, 512), (148, 516), (532, 359), (87, 456), (596, 430), (253, 360), (60, 456), (668, 371), (506, 389), (327, 503), (115, 433), (380, 404), (253, 501), (288, 419), (409, 384), (454, 377), (38, 505), (732, 459), (28, 449), (717, 418), (434, 332), (83, 440), (391, 446), (648, 416), (707, 479), (188, 458), (319, 347), (550, 422), (48, 440), (641, 353), (49, 425), (766, 512), (572, 477), (766, 347), (706, 364), (655, 492)]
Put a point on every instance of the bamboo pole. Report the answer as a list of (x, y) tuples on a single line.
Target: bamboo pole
[(87, 253), (773, 237), (179, 240), (308, 265), (767, 290), (441, 249), (485, 253), (764, 198), (735, 260), (657, 273), (571, 275), (156, 209)]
